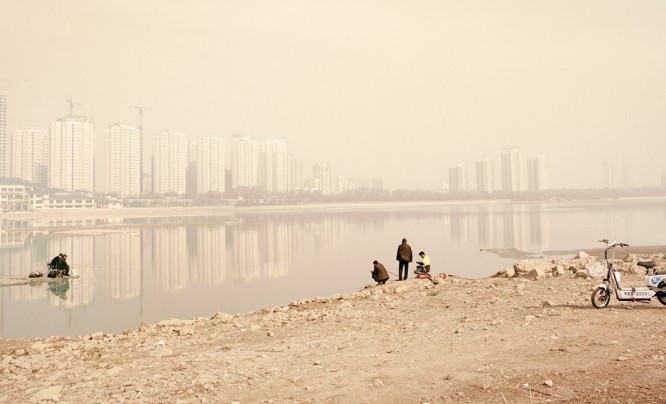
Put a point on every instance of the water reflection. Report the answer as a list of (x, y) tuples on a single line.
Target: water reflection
[(524, 228), (142, 265), (121, 254), (59, 288)]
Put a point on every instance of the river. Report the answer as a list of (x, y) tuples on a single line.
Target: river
[(135, 270)]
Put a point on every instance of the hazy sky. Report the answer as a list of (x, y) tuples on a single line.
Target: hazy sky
[(395, 89)]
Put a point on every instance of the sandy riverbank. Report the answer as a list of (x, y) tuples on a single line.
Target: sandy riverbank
[(495, 340)]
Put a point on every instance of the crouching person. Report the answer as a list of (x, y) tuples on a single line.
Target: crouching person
[(379, 273), (62, 267)]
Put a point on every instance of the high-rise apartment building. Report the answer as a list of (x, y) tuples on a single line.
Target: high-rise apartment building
[(30, 155), (170, 163), (294, 173), (72, 154), (485, 176), (511, 171), (123, 160), (608, 173), (4, 142), (457, 178), (244, 155), (536, 173), (325, 179), (628, 173), (210, 165), (273, 166), (378, 184), (191, 174)]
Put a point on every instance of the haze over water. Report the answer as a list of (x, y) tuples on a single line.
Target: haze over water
[(150, 270), (400, 90)]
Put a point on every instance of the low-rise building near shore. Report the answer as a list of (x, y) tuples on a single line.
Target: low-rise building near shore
[(19, 195)]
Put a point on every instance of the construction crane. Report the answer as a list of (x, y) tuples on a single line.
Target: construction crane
[(141, 109), (71, 105)]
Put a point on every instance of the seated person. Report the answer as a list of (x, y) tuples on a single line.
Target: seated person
[(379, 273), (423, 266), (62, 267)]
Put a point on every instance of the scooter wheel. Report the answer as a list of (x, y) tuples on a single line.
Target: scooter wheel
[(661, 296), (600, 298)]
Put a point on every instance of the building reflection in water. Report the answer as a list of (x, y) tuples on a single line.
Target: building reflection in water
[(263, 248), (460, 225), (170, 258), (523, 227), (259, 246), (539, 232), (486, 227), (122, 260), (207, 255), (80, 252)]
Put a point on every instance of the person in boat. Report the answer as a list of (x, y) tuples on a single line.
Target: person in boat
[(54, 261), (379, 273), (62, 266), (423, 266)]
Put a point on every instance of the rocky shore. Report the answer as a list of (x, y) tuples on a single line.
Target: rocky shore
[(527, 335)]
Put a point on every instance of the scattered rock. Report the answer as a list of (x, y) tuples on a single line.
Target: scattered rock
[(536, 273), (558, 270), (39, 347), (48, 394)]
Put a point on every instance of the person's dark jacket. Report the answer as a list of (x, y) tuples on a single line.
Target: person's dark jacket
[(404, 252), (54, 262), (379, 273), (63, 267)]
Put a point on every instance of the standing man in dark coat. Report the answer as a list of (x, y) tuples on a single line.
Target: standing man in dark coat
[(404, 257), (379, 273)]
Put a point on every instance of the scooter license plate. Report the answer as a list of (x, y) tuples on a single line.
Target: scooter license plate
[(637, 294)]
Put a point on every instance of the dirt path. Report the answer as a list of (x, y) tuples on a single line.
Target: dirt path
[(492, 340)]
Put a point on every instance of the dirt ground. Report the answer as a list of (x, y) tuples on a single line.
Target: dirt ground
[(496, 340)]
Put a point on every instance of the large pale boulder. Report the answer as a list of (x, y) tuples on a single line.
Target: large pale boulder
[(631, 258), (581, 274), (505, 273), (582, 255), (536, 273), (524, 267), (558, 270)]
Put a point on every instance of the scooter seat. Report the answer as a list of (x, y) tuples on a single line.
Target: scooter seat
[(647, 264)]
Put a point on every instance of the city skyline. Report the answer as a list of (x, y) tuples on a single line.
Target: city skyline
[(271, 172), (517, 174), (403, 91)]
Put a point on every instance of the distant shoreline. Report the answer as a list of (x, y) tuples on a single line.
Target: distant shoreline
[(512, 253), (148, 212), (68, 214)]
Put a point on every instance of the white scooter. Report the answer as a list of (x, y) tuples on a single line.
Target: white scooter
[(655, 283)]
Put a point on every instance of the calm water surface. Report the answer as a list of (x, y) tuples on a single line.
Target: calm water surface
[(134, 270)]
